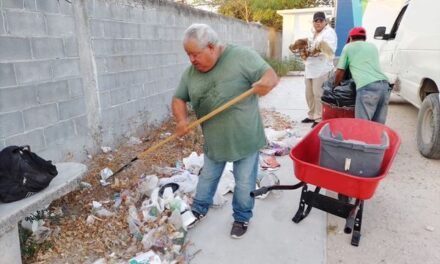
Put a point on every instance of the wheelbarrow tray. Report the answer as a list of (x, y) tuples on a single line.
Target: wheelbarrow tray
[(305, 156)]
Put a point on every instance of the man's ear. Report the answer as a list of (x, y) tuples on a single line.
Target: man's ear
[(211, 46)]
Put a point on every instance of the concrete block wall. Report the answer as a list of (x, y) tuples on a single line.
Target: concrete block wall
[(77, 76), (41, 92)]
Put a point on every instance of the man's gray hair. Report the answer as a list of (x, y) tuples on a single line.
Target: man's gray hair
[(202, 34)]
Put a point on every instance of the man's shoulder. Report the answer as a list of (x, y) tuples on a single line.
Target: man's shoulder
[(329, 30), (238, 48), (365, 45)]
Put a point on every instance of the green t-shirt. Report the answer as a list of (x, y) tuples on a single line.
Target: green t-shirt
[(363, 60), (238, 131)]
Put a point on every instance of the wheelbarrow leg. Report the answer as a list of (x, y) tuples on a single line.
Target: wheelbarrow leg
[(349, 221), (301, 214), (356, 237)]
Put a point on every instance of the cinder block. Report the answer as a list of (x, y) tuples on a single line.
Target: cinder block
[(114, 29), (13, 4), (137, 14), (165, 17), (119, 96), (47, 48), (130, 46), (96, 28), (72, 108), (151, 17), (103, 46), (29, 5), (81, 126), (105, 99), (136, 91), (101, 65), (129, 111), (40, 116), (25, 24), (147, 31), (120, 12), (59, 132), (108, 81), (12, 123), (76, 87), (52, 92), (13, 48), (59, 25), (122, 63), (66, 7), (71, 47), (35, 71), (149, 88), (7, 75), (66, 68), (34, 138), (47, 6), (100, 10), (125, 79), (17, 98), (54, 153)]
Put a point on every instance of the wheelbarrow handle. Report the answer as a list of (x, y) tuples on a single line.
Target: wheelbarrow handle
[(260, 191), (265, 189), (199, 121)]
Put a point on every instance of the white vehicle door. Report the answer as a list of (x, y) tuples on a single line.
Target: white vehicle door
[(389, 60)]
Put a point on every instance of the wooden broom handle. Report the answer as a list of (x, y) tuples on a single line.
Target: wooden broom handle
[(199, 121)]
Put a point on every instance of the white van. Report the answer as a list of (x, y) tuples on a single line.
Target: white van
[(410, 57)]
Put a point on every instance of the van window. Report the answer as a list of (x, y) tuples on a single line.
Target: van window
[(396, 25)]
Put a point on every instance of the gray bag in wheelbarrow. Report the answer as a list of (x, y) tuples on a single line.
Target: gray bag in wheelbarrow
[(349, 155)]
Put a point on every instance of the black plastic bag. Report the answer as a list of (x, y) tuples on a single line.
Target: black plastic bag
[(23, 173), (342, 95)]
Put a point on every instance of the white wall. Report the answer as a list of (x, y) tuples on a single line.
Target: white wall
[(297, 23)]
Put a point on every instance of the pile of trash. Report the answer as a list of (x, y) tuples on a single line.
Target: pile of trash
[(142, 214), (280, 142)]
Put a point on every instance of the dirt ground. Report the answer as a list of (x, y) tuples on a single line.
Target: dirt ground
[(401, 222)]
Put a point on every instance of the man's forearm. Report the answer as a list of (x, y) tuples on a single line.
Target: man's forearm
[(267, 82), (180, 112), (339, 76)]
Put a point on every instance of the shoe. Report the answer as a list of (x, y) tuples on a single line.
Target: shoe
[(198, 217), (239, 229), (307, 120), (314, 124), (270, 163)]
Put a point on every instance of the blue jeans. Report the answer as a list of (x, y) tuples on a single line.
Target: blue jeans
[(372, 101), (245, 174)]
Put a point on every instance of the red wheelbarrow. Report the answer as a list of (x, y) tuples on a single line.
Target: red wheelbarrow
[(306, 160)]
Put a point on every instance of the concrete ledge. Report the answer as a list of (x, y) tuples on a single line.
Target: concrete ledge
[(68, 178)]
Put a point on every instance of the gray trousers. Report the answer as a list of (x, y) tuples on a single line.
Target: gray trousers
[(372, 101)]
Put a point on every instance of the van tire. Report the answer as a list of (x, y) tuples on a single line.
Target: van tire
[(428, 127)]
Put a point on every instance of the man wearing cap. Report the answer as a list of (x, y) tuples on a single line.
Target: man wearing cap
[(372, 86), (318, 67)]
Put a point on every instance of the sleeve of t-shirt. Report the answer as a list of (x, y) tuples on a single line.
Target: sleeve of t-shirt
[(343, 59), (252, 65), (182, 89)]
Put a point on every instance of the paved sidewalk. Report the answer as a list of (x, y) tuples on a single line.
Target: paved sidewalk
[(272, 236)]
